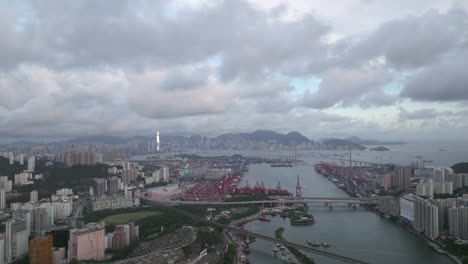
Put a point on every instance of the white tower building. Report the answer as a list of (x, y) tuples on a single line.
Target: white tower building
[(157, 141)]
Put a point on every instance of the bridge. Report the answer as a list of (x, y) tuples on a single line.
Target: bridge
[(329, 200), (259, 236), (294, 158)]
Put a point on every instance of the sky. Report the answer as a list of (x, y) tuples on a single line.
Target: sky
[(377, 69)]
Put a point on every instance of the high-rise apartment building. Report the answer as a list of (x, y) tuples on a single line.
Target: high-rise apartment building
[(403, 175), (16, 237), (443, 188), (34, 197), (426, 217), (128, 176), (87, 243), (5, 184), (99, 187), (11, 158), (425, 189), (21, 159), (112, 185), (2, 249), (31, 164), (2, 199), (81, 158), (41, 250)]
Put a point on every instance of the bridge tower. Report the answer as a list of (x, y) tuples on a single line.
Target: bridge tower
[(298, 188)]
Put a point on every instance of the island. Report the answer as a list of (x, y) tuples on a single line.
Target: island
[(380, 148)]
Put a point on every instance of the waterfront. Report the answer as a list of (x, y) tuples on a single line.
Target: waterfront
[(355, 233)]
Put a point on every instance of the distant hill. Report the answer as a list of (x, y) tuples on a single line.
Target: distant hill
[(380, 149), (267, 135), (461, 167), (20, 144), (97, 139), (361, 141), (335, 143)]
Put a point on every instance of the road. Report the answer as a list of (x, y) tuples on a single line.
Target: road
[(256, 235)]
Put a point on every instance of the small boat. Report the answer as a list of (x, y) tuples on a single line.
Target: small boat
[(282, 247), (315, 244), (246, 250), (264, 219), (275, 249), (277, 245), (325, 244)]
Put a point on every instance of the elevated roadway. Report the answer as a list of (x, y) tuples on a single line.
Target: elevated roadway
[(259, 236)]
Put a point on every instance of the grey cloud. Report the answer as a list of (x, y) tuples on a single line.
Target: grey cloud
[(444, 81), (184, 79), (413, 41), (346, 87), (424, 114), (86, 34)]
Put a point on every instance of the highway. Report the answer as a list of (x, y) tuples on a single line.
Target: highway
[(256, 235)]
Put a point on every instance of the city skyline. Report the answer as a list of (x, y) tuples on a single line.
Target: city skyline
[(367, 68)]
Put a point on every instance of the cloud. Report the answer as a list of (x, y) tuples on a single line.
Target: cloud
[(347, 87), (126, 67), (443, 81), (413, 41)]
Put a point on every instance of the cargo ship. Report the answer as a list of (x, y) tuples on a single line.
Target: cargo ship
[(281, 165)]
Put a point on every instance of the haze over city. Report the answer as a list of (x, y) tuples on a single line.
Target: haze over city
[(387, 70), (234, 132)]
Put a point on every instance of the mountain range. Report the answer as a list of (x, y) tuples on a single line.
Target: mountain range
[(259, 139)]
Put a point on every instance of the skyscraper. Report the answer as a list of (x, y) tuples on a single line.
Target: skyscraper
[(11, 158), (16, 237), (80, 158), (2, 249), (157, 141), (87, 243), (99, 187), (2, 199), (40, 250), (21, 159), (112, 185), (31, 164), (426, 217), (34, 196)]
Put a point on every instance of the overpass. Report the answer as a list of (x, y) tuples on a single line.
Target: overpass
[(260, 236)]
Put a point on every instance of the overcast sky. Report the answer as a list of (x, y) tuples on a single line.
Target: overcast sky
[(381, 69)]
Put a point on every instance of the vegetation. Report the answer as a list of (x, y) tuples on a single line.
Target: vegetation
[(461, 167), (187, 250), (301, 257), (156, 184), (460, 250), (208, 238), (255, 197), (119, 219), (230, 255), (151, 219), (79, 178), (20, 198), (10, 170)]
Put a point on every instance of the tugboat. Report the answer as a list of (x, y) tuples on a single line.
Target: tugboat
[(313, 244)]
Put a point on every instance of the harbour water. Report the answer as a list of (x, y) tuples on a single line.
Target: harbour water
[(356, 233)]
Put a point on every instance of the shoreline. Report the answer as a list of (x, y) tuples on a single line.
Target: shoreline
[(442, 251)]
